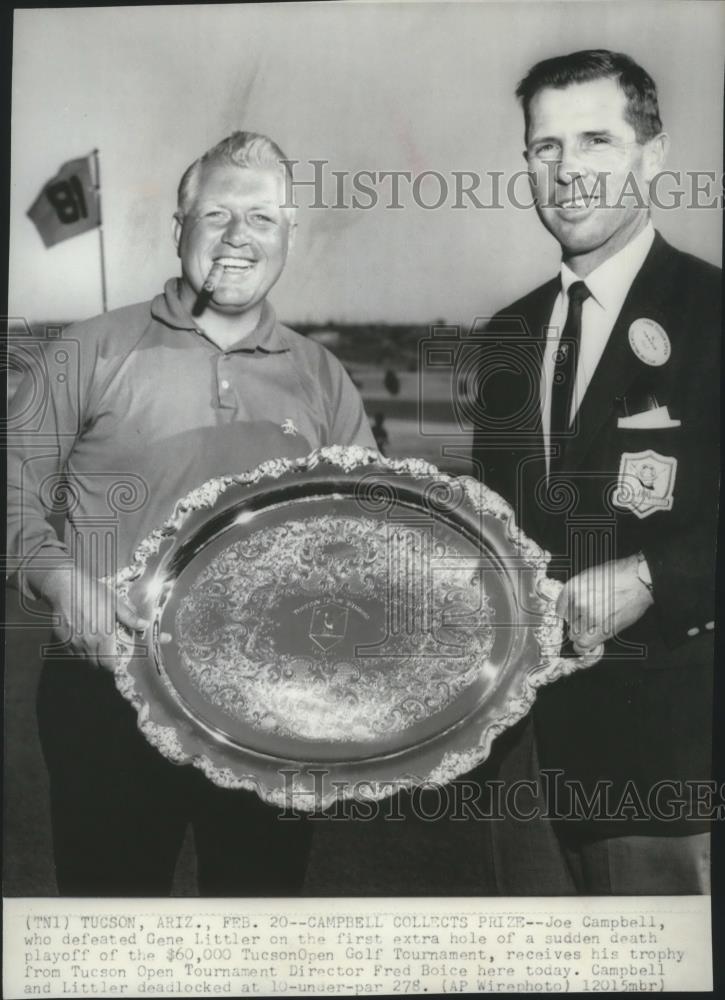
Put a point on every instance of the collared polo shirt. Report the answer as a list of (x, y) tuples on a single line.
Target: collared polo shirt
[(146, 408)]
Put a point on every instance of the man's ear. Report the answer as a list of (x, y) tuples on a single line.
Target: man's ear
[(291, 237), (655, 154), (177, 223)]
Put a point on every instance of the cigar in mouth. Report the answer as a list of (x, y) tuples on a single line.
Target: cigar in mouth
[(213, 278), (207, 289)]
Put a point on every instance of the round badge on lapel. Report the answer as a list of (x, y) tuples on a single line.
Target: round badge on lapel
[(649, 342)]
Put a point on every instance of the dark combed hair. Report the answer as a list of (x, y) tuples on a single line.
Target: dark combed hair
[(642, 110)]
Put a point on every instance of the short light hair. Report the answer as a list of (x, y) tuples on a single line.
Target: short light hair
[(241, 149), (641, 110)]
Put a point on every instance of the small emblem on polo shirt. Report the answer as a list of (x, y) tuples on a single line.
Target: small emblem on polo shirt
[(288, 427)]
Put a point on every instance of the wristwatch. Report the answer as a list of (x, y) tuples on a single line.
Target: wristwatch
[(643, 571)]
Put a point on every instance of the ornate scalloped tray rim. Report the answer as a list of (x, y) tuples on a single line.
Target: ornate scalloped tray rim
[(452, 763)]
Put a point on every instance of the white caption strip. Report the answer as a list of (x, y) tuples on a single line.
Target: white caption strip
[(264, 947)]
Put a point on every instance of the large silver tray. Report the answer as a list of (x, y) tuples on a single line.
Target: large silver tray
[(337, 626)]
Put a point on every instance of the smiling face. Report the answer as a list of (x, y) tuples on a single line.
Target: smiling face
[(590, 175), (234, 219)]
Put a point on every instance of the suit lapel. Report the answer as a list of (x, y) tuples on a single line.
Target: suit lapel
[(537, 321), (537, 318), (616, 369)]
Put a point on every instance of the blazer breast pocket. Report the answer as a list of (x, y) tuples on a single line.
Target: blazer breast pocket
[(655, 419)]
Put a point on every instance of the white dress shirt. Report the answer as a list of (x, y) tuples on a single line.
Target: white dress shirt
[(609, 284)]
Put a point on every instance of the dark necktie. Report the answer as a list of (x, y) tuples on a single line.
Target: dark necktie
[(567, 356)]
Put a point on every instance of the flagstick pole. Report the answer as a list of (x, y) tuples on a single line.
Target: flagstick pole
[(100, 230)]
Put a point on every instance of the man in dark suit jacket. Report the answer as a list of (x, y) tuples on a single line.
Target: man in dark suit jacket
[(602, 433)]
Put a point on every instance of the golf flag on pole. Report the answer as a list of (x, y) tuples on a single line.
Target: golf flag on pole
[(69, 203)]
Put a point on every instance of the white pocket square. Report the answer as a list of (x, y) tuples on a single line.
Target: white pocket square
[(656, 419)]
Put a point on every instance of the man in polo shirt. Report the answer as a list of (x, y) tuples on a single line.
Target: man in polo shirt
[(200, 382)]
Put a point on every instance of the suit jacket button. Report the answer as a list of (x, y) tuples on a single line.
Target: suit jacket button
[(692, 632), (709, 626)]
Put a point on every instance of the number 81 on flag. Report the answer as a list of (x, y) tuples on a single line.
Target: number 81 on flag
[(68, 204)]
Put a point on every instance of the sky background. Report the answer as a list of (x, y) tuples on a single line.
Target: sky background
[(389, 86)]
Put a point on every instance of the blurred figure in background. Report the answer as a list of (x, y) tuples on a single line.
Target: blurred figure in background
[(380, 433)]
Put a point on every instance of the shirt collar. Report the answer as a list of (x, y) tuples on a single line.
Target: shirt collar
[(267, 336), (610, 282)]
